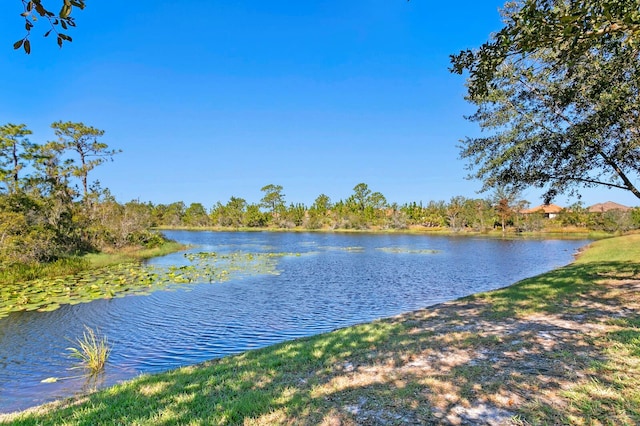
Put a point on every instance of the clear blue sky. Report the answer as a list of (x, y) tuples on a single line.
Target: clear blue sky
[(220, 99)]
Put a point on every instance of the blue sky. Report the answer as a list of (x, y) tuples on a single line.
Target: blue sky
[(222, 99)]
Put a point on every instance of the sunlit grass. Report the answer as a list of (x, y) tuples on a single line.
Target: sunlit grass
[(16, 273), (97, 260), (25, 272), (550, 292), (92, 351), (624, 249)]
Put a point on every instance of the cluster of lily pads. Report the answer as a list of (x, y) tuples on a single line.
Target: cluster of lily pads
[(48, 294)]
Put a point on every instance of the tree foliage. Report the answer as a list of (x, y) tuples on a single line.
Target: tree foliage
[(231, 214), (569, 28), (42, 216), (58, 23), (196, 215), (506, 202), (83, 141), (15, 150), (558, 89), (273, 200)]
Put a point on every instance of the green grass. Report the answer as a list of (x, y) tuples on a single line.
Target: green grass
[(26, 272), (625, 249), (97, 260), (559, 348), (552, 292), (229, 390), (72, 265)]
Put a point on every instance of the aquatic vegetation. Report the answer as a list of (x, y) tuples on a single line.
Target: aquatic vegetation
[(219, 267), (353, 249), (92, 352), (48, 294)]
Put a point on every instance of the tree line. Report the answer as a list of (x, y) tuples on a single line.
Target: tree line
[(365, 209), (50, 208)]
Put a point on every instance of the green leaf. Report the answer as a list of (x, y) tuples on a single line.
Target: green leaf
[(65, 11), (569, 18), (18, 44)]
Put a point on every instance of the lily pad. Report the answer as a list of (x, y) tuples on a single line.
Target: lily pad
[(130, 278)]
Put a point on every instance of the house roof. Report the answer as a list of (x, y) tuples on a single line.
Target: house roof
[(605, 207), (544, 208)]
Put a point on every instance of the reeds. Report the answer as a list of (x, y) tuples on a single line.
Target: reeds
[(92, 352)]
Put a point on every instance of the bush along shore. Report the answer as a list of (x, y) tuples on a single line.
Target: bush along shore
[(559, 348)]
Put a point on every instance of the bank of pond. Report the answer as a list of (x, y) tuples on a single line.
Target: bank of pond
[(234, 291)]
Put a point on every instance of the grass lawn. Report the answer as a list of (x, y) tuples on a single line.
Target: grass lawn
[(558, 348)]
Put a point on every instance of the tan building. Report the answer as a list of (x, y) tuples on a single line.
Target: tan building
[(548, 210)]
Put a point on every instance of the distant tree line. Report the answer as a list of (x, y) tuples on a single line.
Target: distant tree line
[(50, 209), (365, 209)]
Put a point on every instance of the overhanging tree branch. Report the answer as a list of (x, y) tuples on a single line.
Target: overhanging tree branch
[(34, 10), (560, 90)]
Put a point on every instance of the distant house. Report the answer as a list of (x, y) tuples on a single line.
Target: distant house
[(548, 210), (608, 206)]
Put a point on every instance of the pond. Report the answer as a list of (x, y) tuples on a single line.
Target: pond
[(317, 283)]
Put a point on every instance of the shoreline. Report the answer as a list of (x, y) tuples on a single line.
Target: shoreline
[(567, 233), (538, 351)]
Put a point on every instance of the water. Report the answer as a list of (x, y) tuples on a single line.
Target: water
[(337, 281)]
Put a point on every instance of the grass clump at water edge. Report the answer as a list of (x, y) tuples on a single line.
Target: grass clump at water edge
[(92, 352)]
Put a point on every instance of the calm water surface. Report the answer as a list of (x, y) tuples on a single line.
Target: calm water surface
[(337, 281)]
